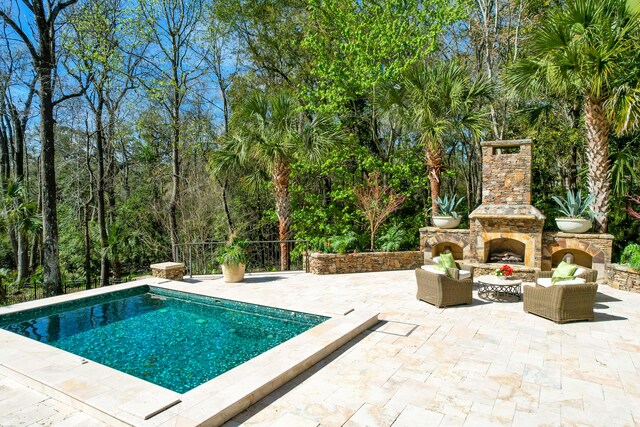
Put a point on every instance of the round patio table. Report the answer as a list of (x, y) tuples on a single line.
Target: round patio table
[(499, 289)]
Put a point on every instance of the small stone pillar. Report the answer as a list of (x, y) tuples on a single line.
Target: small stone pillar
[(168, 270)]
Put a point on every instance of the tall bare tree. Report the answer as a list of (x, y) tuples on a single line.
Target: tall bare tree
[(43, 19), (175, 64), (223, 64), (498, 25), (15, 111), (105, 56)]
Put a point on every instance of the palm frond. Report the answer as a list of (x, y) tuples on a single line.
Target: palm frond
[(580, 47), (624, 166), (624, 107), (443, 98)]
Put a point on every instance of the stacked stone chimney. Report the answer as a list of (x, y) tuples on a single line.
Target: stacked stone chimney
[(506, 222), (506, 172)]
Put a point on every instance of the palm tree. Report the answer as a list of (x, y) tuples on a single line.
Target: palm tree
[(19, 213), (584, 47), (444, 100), (273, 132)]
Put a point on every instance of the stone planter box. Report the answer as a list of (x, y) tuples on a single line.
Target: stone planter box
[(364, 262), (168, 270), (624, 278)]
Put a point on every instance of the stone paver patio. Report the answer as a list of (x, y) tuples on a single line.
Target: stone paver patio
[(484, 364)]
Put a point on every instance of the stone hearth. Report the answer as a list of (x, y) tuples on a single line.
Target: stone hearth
[(506, 223)]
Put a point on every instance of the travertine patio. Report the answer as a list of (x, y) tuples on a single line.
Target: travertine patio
[(485, 364)]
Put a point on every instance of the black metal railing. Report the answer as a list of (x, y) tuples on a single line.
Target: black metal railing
[(201, 258), (33, 290)]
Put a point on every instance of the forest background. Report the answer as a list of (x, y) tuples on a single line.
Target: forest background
[(128, 127)]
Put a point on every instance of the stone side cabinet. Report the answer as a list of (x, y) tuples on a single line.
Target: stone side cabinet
[(168, 270)]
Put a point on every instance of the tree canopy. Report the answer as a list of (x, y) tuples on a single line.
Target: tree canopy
[(129, 129)]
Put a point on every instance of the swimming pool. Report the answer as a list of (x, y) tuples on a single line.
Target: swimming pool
[(174, 339)]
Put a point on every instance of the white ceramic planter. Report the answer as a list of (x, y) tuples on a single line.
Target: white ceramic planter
[(445, 221), (574, 225), (233, 273)]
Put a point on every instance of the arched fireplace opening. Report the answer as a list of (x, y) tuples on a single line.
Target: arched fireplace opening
[(504, 250), (579, 257), (454, 248)]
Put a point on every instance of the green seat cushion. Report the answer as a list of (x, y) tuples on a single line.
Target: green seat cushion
[(447, 261), (564, 270)]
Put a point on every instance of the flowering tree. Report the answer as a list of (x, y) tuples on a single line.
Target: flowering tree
[(377, 201)]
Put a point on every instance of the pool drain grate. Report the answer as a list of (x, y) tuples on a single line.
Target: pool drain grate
[(398, 329)]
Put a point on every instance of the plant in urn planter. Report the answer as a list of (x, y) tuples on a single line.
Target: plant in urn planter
[(233, 258), (577, 215), (447, 216)]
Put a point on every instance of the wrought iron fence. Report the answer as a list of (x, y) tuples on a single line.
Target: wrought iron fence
[(34, 290), (264, 255), (198, 258)]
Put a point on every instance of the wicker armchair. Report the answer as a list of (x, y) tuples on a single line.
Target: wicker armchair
[(442, 291), (453, 272), (589, 275), (561, 303)]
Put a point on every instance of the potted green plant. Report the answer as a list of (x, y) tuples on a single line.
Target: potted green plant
[(447, 216), (233, 258), (577, 215)]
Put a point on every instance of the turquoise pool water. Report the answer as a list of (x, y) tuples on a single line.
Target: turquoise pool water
[(174, 339)]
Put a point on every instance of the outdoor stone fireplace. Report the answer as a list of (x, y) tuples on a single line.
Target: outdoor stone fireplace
[(507, 229)]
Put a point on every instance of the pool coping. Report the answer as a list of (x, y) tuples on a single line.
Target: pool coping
[(117, 398)]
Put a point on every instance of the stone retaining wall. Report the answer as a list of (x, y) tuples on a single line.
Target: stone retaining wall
[(624, 278), (364, 262)]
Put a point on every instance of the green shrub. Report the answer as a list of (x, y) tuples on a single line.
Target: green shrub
[(394, 239), (234, 253), (631, 256), (345, 243)]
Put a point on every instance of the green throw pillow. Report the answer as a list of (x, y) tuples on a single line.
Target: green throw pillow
[(564, 270), (447, 261)]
